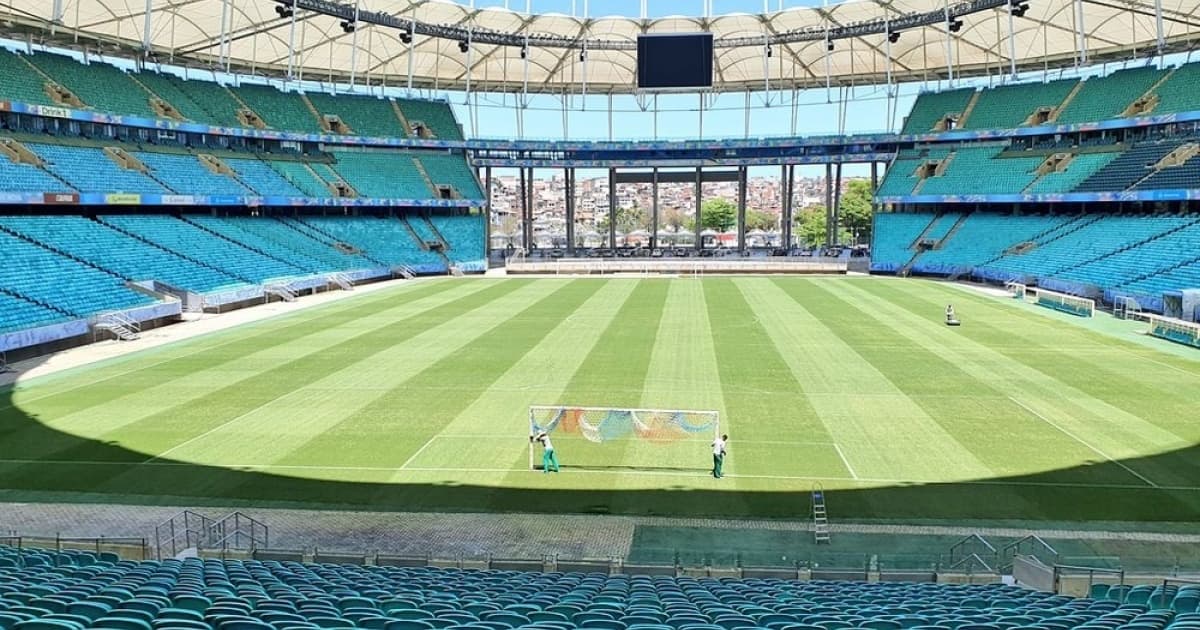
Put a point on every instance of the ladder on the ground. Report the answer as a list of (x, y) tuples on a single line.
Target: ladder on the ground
[(819, 516), (404, 271), (122, 327), (280, 290), (342, 280)]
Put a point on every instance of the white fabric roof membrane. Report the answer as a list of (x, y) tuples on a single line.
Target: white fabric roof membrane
[(257, 40)]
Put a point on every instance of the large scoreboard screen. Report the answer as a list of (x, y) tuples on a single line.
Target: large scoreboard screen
[(675, 61)]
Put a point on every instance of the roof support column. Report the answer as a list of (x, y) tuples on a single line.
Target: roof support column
[(785, 204), (743, 181), (146, 24), (1081, 33), (654, 210), (222, 53), (487, 210), (354, 49), (412, 38), (1160, 38), (1012, 43), (949, 46), (834, 232), (828, 203), (698, 240), (291, 66), (612, 208), (569, 186)]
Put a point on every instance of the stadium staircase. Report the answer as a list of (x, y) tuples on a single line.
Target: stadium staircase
[(424, 175), (160, 105), (315, 232), (820, 516), (58, 93), (182, 254), (1176, 158), (403, 119), (422, 243), (246, 114), (280, 290), (434, 232), (1062, 107), (188, 531), (1148, 101), (123, 328), (966, 113), (342, 281)]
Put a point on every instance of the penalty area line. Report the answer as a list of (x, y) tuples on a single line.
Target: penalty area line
[(845, 462), (1071, 435)]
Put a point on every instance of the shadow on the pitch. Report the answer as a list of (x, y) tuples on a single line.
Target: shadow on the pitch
[(41, 464)]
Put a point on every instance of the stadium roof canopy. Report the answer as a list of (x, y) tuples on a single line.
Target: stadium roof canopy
[(512, 51)]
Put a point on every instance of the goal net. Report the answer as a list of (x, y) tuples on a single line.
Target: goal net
[(1016, 289), (652, 436), (1083, 307)]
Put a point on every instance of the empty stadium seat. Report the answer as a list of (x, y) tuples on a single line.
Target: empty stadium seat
[(382, 174), (1009, 106), (88, 169)]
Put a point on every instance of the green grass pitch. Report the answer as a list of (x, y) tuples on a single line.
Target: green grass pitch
[(416, 398)]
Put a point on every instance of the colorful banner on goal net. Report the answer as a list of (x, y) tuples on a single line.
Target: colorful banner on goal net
[(604, 425)]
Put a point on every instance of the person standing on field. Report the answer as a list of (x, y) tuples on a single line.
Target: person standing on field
[(719, 455), (549, 459)]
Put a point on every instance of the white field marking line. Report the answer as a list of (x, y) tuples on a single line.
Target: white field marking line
[(1071, 435), (419, 451), (222, 425), (204, 348), (845, 462), (660, 473)]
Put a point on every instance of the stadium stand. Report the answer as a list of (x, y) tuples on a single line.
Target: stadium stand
[(20, 82), (1011, 106), (219, 105), (89, 169), (100, 86), (894, 234), (27, 177), (185, 174), (19, 313), (75, 590), (452, 170), (282, 239), (465, 235), (1128, 168), (260, 178), (932, 109), (383, 239), (365, 115), (55, 282), (381, 174), (1170, 242), (979, 170), (436, 116), (118, 252), (283, 111), (1080, 168), (1100, 98), (302, 177), (1178, 93), (187, 239)]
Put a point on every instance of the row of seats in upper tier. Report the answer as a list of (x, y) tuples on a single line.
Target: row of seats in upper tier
[(1143, 254), (378, 174), (103, 87), (999, 169), (1065, 101), (51, 591), (62, 267)]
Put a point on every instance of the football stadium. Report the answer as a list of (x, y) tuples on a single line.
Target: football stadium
[(599, 315)]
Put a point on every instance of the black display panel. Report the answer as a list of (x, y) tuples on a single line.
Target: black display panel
[(675, 61)]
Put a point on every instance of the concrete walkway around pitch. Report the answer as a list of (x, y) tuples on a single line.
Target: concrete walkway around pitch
[(449, 535)]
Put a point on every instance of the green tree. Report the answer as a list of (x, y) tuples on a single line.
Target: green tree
[(673, 220), (628, 220), (810, 227), (759, 220), (718, 214), (856, 210)]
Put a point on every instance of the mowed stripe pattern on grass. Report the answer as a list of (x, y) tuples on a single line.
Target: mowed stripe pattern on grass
[(417, 399)]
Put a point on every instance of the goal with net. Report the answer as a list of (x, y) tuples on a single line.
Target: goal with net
[(1083, 307), (1016, 289), (654, 438)]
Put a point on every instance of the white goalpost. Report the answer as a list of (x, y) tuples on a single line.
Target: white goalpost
[(1016, 289), (1072, 304), (598, 425)]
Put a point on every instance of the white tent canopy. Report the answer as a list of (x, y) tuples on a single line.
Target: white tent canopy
[(249, 36)]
